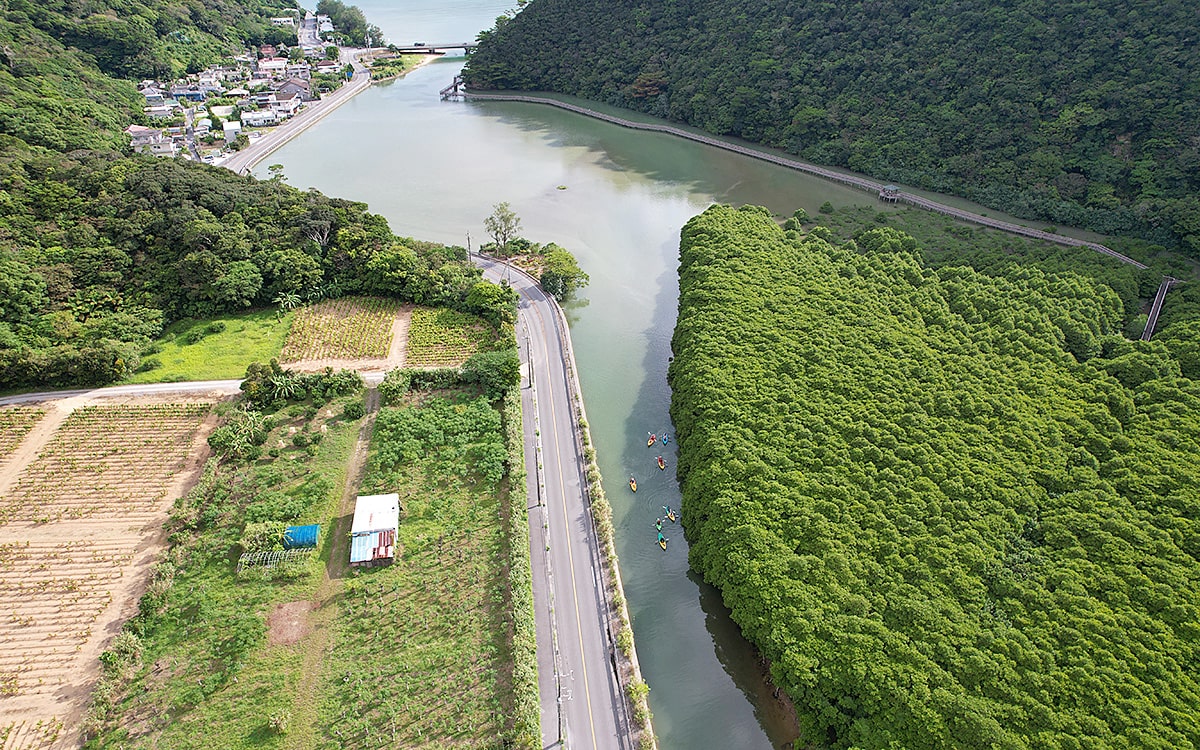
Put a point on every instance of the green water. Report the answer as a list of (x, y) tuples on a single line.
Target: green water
[(435, 169)]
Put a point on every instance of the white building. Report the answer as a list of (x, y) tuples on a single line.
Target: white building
[(373, 531)]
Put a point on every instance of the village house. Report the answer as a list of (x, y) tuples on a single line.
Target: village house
[(154, 96), (267, 50), (257, 118), (284, 21), (298, 70), (188, 93), (168, 110), (285, 105), (231, 129), (294, 86), (273, 66), (327, 66)]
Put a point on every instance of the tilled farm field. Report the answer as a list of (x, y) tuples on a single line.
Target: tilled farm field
[(84, 489)]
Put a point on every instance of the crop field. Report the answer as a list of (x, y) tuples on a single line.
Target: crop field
[(73, 528), (109, 462), (30, 735), (346, 328), (435, 612), (445, 338), (15, 423), (53, 591)]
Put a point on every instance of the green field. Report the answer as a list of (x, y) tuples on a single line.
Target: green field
[(420, 652), (217, 355), (416, 654), (206, 674), (440, 337)]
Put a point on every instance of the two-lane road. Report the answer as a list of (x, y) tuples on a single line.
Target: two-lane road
[(576, 663)]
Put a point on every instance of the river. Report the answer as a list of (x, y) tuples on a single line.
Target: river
[(617, 199)]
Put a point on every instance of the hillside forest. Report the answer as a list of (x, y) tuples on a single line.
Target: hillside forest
[(952, 509), (1083, 113), (100, 249)]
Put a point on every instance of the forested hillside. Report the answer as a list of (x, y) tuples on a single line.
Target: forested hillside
[(98, 249), (952, 509), (1082, 113)]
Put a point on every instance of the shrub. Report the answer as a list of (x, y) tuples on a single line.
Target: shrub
[(354, 410), (150, 363)]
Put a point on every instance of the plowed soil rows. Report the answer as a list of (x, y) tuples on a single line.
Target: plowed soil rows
[(77, 532), (346, 328)]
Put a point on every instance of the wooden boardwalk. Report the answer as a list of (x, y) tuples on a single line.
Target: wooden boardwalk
[(1156, 308), (455, 90)]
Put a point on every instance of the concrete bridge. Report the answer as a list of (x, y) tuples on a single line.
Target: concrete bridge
[(434, 49)]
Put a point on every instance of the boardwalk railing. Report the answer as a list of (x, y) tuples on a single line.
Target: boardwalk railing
[(1156, 308), (455, 90)]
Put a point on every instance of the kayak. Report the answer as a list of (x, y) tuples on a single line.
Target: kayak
[(661, 463), (662, 541), (670, 514), (650, 440), (666, 438), (633, 484)]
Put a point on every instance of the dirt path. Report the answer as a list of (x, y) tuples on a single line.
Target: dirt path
[(323, 610)]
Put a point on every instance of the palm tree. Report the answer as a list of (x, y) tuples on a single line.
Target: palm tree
[(287, 301)]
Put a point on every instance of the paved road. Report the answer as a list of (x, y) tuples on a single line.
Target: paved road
[(243, 161), (568, 581), (224, 387)]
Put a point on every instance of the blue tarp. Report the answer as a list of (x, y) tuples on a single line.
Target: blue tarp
[(301, 537)]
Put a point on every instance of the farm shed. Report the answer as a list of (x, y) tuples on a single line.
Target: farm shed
[(373, 532)]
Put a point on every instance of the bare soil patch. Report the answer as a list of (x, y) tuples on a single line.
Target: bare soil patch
[(288, 623)]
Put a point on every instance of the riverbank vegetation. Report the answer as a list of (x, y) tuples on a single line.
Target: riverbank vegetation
[(944, 242), (1079, 114), (950, 507), (103, 251)]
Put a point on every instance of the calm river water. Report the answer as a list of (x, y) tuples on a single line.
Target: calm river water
[(434, 169)]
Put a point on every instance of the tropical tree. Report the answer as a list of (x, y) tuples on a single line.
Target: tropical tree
[(502, 226)]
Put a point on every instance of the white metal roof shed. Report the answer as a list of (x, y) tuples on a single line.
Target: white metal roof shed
[(376, 513)]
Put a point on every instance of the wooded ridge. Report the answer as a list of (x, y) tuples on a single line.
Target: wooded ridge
[(1085, 113)]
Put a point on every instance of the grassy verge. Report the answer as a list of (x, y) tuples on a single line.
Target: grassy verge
[(421, 653), (526, 706), (195, 667), (214, 349)]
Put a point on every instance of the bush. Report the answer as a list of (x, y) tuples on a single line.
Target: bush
[(215, 327), (150, 363), (300, 440), (354, 410), (263, 536)]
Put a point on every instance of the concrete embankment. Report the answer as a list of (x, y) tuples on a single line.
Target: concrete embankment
[(829, 174)]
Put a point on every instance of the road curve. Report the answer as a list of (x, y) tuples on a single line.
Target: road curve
[(576, 662)]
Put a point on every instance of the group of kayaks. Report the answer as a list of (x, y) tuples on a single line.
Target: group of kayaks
[(658, 524), (669, 514)]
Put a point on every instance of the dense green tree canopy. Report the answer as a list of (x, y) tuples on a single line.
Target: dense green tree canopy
[(952, 509), (1084, 113), (97, 251)]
